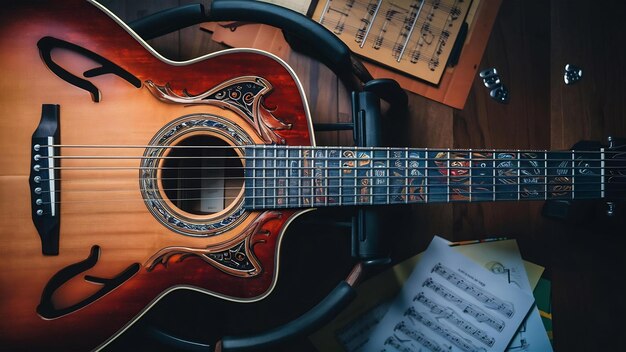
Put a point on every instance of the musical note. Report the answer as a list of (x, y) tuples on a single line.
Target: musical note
[(397, 344), (455, 319), (472, 310), (415, 56), (420, 337), (378, 42), (426, 34), (450, 335), (455, 12), (366, 23), (489, 300)]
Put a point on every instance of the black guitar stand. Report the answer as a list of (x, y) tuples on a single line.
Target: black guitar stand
[(368, 246)]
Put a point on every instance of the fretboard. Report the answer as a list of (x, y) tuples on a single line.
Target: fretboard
[(301, 177)]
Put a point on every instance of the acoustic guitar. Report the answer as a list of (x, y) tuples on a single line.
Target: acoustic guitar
[(125, 176)]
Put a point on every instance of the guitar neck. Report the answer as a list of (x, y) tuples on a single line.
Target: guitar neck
[(300, 177)]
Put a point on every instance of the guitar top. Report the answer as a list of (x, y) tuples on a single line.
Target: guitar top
[(89, 112)]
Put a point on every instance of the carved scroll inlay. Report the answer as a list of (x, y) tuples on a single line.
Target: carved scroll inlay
[(243, 95), (235, 257)]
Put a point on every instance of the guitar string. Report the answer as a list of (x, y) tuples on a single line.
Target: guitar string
[(355, 184), (562, 171), (563, 194), (232, 178), (296, 158), (313, 168), (273, 147), (287, 158), (452, 191), (329, 186)]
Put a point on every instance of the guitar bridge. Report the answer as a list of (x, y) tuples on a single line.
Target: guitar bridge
[(44, 179)]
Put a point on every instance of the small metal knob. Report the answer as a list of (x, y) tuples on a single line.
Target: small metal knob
[(572, 74), (39, 212)]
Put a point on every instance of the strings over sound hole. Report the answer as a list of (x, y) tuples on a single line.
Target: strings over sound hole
[(202, 175)]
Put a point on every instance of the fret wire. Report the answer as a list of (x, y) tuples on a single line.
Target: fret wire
[(470, 175), (325, 178), (371, 180), (602, 172), (272, 170), (545, 172), (448, 178), (289, 177), (406, 173), (340, 162), (493, 170), (264, 172), (254, 173), (427, 188), (312, 173), (388, 174), (356, 176), (300, 179), (573, 172), (519, 164)]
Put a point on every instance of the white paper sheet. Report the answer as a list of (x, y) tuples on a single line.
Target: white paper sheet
[(450, 303), (502, 258)]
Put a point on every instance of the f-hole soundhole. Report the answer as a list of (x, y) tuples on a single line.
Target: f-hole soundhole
[(202, 175)]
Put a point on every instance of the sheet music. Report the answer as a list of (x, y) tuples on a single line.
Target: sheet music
[(412, 36), (450, 303), (503, 260)]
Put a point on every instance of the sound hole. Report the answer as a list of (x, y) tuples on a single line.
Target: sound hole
[(202, 175)]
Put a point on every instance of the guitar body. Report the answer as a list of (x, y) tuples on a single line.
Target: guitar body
[(124, 241)]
